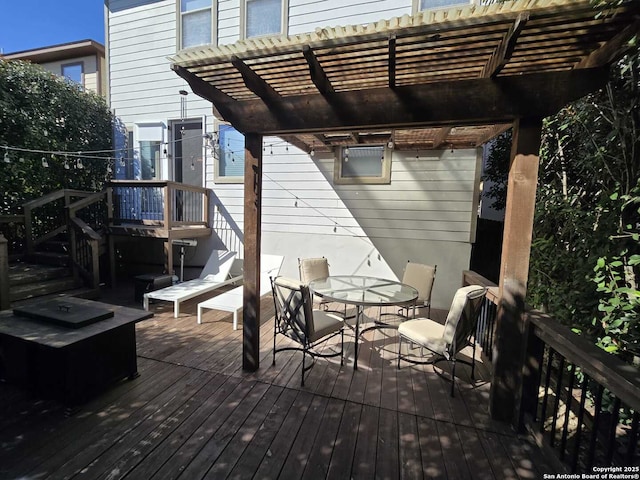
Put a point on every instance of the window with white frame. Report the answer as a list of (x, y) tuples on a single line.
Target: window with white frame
[(229, 167), (263, 17), (363, 164), (435, 4), (196, 22)]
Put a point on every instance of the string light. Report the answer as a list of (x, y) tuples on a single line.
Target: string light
[(6, 156), (45, 164), (79, 164), (66, 163)]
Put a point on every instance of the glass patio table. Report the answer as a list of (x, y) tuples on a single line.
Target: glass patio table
[(363, 292)]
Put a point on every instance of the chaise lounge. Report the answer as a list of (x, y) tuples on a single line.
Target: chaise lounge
[(215, 274), (232, 300)]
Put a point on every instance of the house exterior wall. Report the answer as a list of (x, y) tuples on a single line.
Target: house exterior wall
[(427, 214), (92, 69)]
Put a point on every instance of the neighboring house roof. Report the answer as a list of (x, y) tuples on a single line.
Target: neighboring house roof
[(477, 66), (59, 52)]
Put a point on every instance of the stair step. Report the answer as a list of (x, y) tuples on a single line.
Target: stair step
[(82, 292), (50, 258), (31, 290), (22, 273), (57, 246)]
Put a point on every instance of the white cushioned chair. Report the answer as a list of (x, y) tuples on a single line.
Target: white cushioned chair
[(446, 341)]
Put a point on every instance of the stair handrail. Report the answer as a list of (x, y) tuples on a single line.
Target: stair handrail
[(28, 207), (90, 271)]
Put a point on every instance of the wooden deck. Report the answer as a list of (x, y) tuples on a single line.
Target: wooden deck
[(193, 413)]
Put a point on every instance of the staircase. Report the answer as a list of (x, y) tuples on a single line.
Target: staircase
[(44, 274)]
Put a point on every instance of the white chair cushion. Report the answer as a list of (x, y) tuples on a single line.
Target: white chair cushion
[(324, 323), (425, 332)]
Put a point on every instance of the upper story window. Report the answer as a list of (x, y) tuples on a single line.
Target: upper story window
[(229, 166), (263, 17), (196, 23), (363, 164), (73, 72), (435, 4)]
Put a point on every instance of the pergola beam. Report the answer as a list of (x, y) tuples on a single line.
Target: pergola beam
[(318, 75), (441, 136), (503, 52), (222, 103), (478, 101), (392, 61), (611, 50), (256, 83)]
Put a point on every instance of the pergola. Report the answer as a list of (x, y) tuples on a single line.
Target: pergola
[(441, 79)]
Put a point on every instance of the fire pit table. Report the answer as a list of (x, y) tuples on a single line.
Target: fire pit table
[(68, 348)]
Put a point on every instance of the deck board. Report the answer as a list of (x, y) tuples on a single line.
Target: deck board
[(193, 413)]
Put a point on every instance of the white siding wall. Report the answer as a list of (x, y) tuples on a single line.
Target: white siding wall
[(427, 213)]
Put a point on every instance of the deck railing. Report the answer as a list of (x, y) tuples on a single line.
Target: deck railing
[(580, 403), (161, 203)]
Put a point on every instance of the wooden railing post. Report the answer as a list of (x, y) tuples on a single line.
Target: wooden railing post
[(4, 273), (28, 230), (530, 377)]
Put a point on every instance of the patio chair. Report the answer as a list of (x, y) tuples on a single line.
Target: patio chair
[(232, 300), (311, 269), (421, 277), (295, 318), (446, 341), (214, 275)]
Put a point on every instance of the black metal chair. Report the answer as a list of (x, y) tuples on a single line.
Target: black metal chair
[(295, 318), (446, 341)]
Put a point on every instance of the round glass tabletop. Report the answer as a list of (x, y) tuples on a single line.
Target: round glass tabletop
[(366, 291)]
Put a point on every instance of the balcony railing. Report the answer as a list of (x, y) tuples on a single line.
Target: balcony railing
[(163, 204), (580, 403)]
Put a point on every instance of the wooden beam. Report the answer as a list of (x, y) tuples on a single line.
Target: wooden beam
[(505, 48), (611, 50), (441, 136), (493, 133), (222, 102), (392, 60), (251, 267), (511, 328), (355, 137), (256, 83), (478, 101), (318, 75)]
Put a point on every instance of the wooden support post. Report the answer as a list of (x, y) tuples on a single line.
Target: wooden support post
[(4, 273), (510, 336), (168, 256), (252, 237)]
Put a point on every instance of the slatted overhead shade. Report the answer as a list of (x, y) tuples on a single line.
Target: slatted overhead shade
[(443, 78)]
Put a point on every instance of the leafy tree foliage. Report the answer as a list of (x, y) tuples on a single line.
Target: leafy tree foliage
[(586, 250), (41, 111)]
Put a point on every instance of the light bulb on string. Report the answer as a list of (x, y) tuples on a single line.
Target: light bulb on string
[(66, 163), (271, 150), (45, 164), (7, 159), (79, 164), (335, 227), (295, 204)]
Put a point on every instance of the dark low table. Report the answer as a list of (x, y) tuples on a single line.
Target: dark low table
[(69, 363)]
